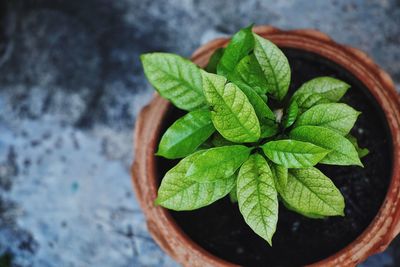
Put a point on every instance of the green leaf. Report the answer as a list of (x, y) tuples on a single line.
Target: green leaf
[(231, 112), (294, 154), (239, 46), (175, 78), (308, 215), (233, 195), (307, 100), (290, 115), (274, 65), (214, 60), (265, 115), (280, 174), (176, 192), (310, 192), (264, 98), (260, 106), (327, 87), (251, 85), (206, 145), (218, 140), (185, 135), (362, 152), (257, 197), (217, 163), (335, 116), (249, 71), (268, 128), (342, 151)]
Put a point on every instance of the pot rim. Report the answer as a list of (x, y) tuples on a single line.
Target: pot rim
[(375, 238)]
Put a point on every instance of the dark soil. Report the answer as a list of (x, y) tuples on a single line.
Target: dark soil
[(221, 230)]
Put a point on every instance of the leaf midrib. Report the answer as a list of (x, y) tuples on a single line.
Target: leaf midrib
[(231, 111), (332, 149), (216, 164), (191, 134), (178, 79), (270, 66), (312, 191), (296, 152), (339, 117), (259, 201), (192, 183)]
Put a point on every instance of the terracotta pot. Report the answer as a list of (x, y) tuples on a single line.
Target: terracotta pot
[(382, 230)]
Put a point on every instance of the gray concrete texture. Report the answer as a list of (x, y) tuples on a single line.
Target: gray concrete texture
[(71, 86)]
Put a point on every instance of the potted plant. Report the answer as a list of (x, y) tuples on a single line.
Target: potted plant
[(255, 131)]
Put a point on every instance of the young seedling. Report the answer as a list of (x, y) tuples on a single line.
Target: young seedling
[(243, 136)]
